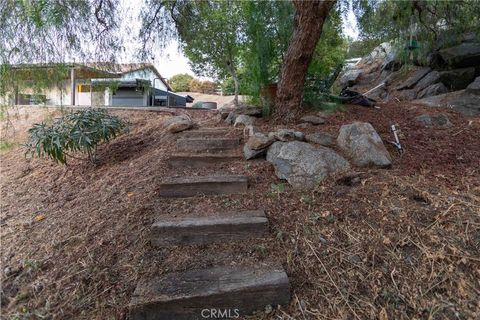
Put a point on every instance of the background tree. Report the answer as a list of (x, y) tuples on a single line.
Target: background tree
[(209, 36), (308, 23), (267, 26), (180, 82), (431, 23)]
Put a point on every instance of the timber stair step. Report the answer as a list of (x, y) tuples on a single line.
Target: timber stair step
[(207, 132), (207, 144), (194, 230), (195, 294), (190, 186), (201, 160)]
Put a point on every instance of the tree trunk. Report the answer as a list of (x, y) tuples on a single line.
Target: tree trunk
[(233, 73), (235, 81), (308, 23)]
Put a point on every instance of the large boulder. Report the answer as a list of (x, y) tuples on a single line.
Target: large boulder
[(249, 153), (178, 124), (251, 130), (303, 165), (474, 87), (244, 120), (231, 117), (363, 145), (457, 79), (434, 120), (259, 141), (433, 90), (463, 55), (414, 78), (224, 112), (321, 138)]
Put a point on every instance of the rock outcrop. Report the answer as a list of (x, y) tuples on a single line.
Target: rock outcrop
[(447, 70)]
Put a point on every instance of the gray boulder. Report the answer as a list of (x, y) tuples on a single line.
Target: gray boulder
[(414, 78), (230, 119), (178, 124), (457, 79), (303, 165), (259, 141), (320, 138), (286, 135), (363, 145), (313, 120), (251, 130), (474, 87), (249, 153), (463, 55), (434, 120), (433, 90), (224, 112), (244, 120)]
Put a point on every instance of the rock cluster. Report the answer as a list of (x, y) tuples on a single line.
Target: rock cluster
[(306, 160)]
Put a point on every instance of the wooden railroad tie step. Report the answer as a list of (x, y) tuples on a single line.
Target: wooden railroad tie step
[(207, 144), (178, 187), (223, 227), (196, 294), (201, 160)]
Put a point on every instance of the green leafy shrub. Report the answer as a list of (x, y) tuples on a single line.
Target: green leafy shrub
[(77, 131)]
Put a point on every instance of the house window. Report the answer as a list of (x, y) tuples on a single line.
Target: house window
[(88, 88)]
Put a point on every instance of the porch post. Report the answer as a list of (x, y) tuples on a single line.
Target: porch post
[(72, 83)]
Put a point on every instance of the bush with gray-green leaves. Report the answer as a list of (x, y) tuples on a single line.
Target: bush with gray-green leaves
[(75, 132)]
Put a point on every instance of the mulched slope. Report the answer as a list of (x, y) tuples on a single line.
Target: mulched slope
[(388, 244)]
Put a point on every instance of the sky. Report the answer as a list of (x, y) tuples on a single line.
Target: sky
[(171, 61)]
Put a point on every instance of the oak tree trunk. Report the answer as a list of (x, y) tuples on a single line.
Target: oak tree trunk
[(308, 22)]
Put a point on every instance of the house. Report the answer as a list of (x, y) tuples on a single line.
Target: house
[(87, 84)]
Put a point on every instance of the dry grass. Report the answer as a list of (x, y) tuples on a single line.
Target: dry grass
[(387, 244)]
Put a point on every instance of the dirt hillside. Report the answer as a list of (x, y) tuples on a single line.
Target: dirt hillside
[(402, 243)]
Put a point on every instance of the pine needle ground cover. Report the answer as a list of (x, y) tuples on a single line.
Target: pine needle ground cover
[(389, 244)]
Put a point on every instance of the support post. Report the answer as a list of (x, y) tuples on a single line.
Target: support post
[(72, 83)]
